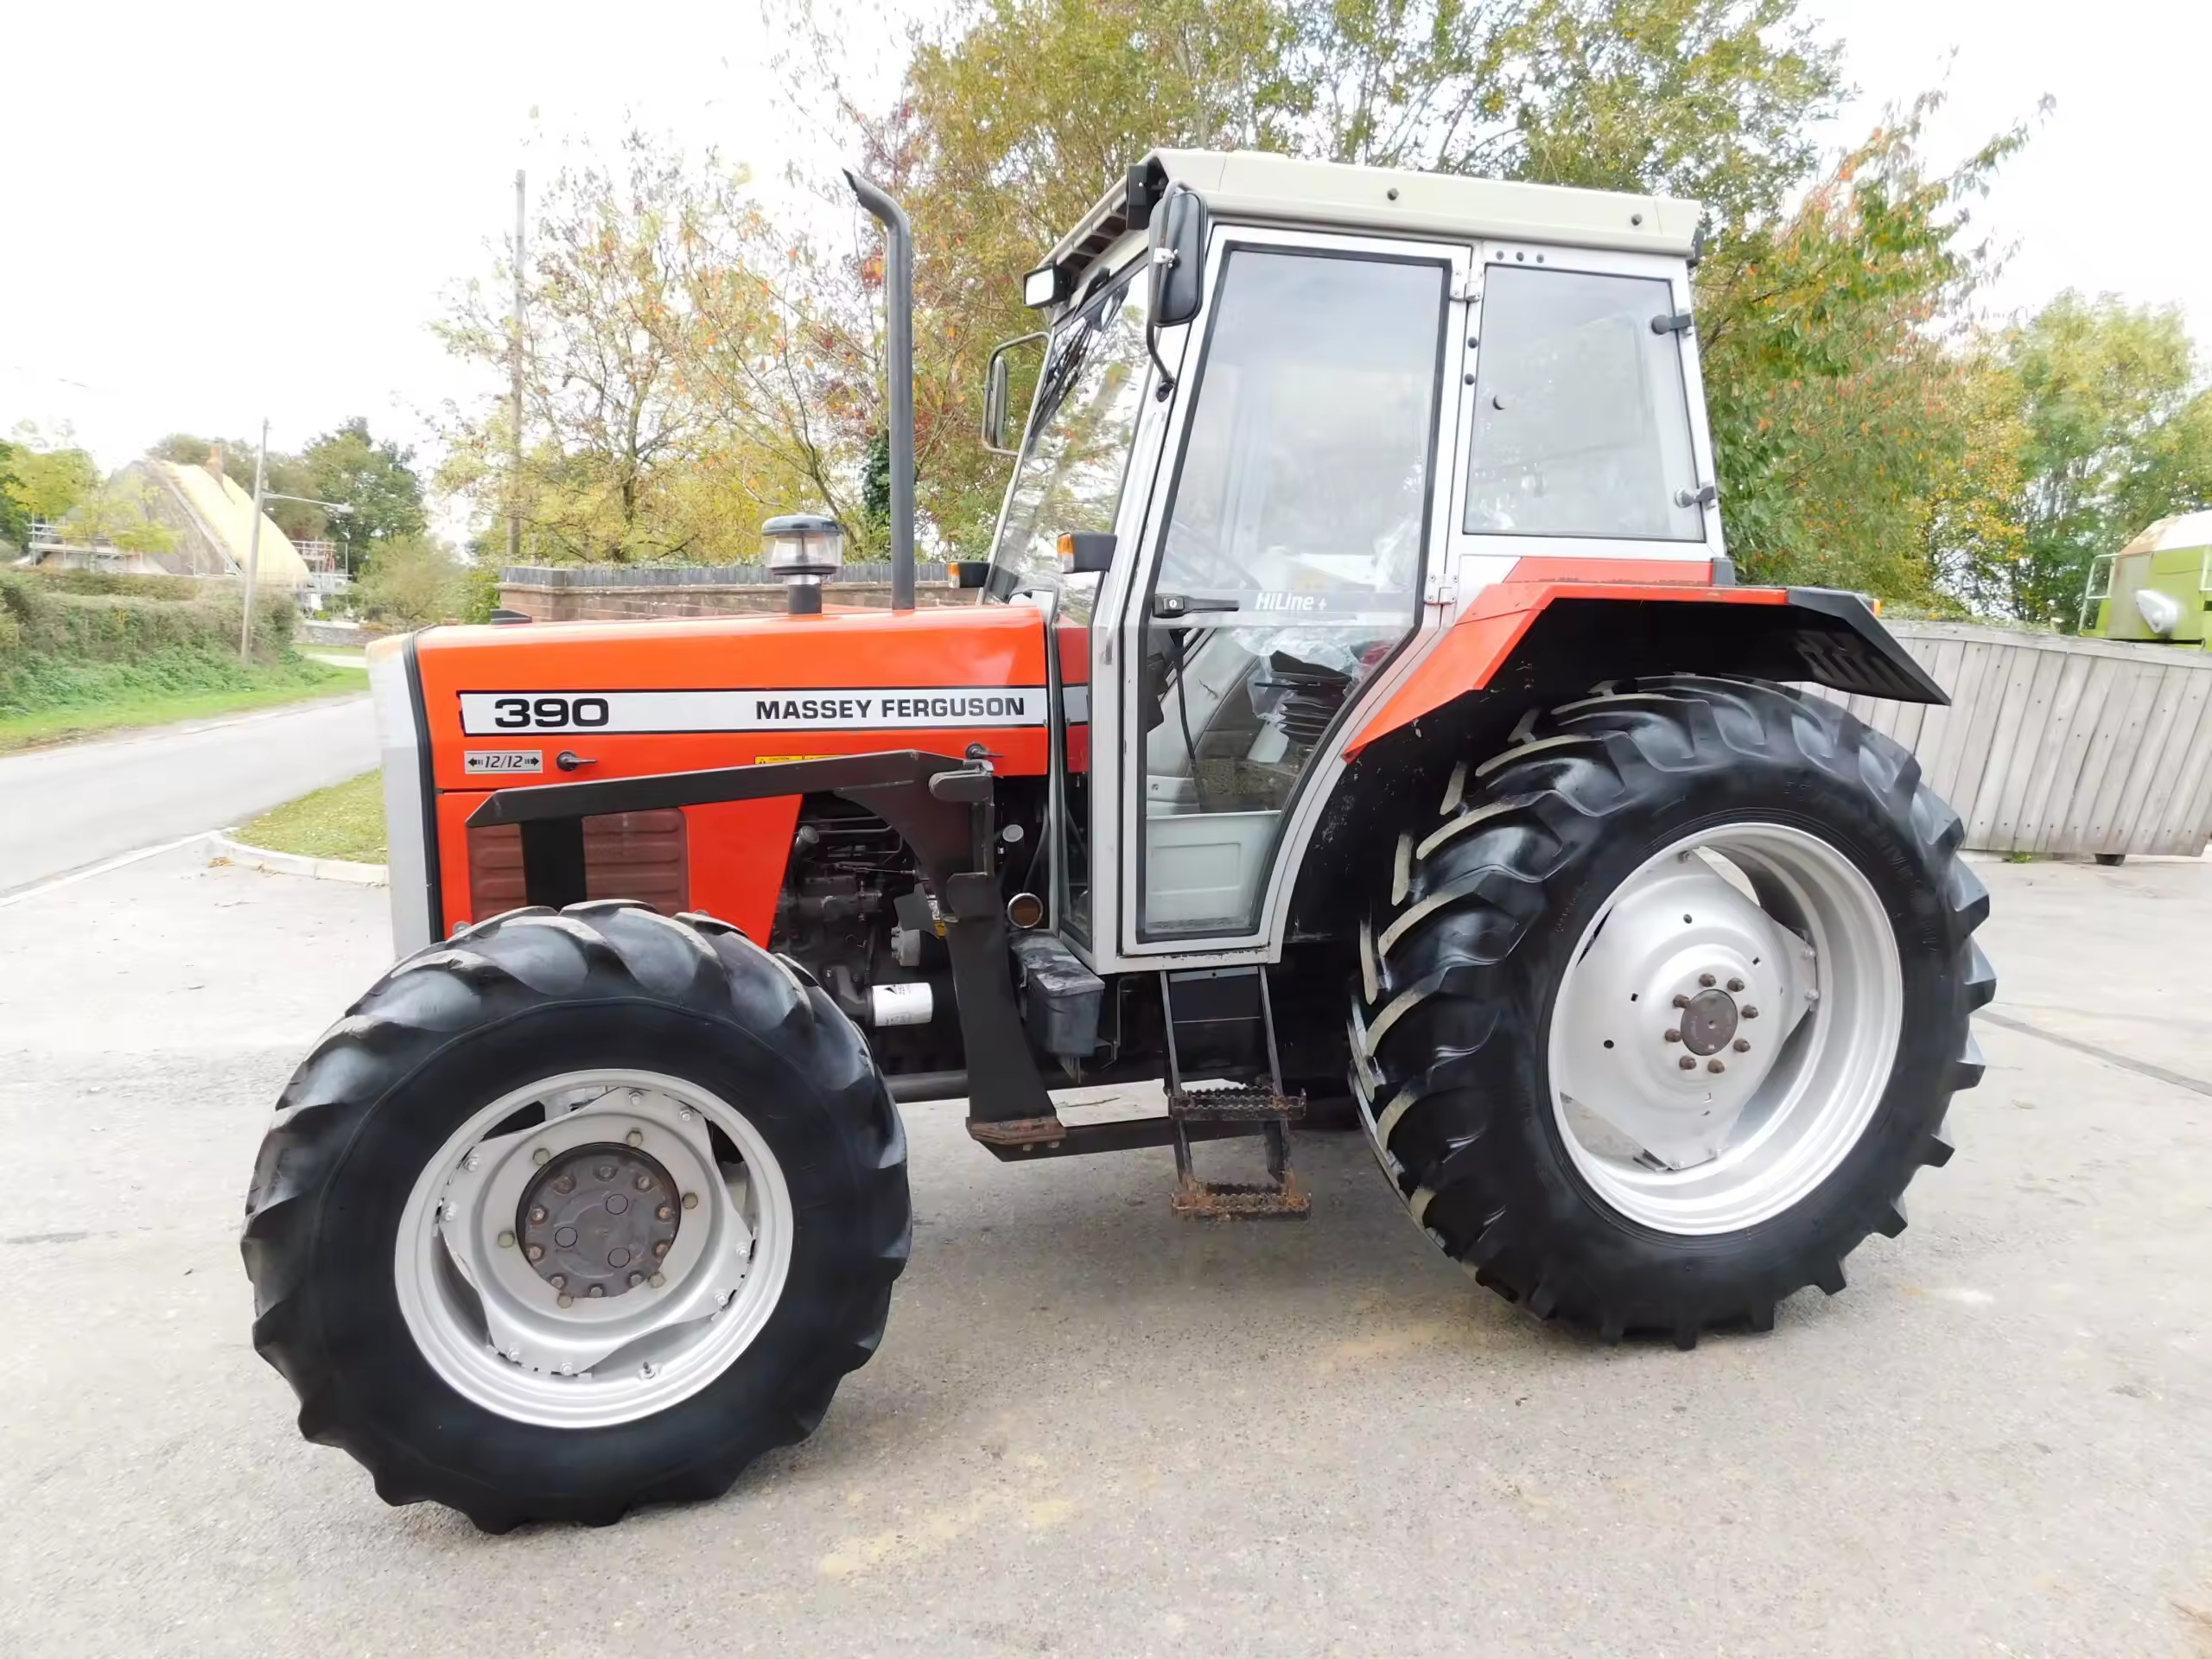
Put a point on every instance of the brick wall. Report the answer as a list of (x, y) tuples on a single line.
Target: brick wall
[(598, 594)]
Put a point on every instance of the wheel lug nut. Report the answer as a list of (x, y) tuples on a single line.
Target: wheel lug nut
[(637, 1278), (666, 1213), (1687, 1064), (1714, 1066), (645, 1183), (1735, 984), (605, 1171), (636, 1137), (536, 1215), (506, 1241), (659, 1279), (1707, 980), (1743, 1046), (565, 1184), (567, 1301), (596, 1290), (541, 1157), (535, 1252), (1681, 1002), (559, 1281), (690, 1200), (1673, 1036), (660, 1247), (1748, 1012)]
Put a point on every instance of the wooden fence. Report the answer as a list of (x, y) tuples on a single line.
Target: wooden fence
[(2060, 745)]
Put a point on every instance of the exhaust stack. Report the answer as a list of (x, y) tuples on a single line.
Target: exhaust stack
[(899, 320)]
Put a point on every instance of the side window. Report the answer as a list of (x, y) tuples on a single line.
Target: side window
[(1582, 422), (1292, 566)]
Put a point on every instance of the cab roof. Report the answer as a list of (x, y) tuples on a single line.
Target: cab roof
[(1254, 185)]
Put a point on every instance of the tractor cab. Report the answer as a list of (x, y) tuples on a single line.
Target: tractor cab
[(1288, 414)]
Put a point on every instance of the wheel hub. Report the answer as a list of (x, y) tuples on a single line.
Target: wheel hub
[(1671, 1016), (1709, 1022), (599, 1221)]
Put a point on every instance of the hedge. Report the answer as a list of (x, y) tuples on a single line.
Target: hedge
[(89, 616)]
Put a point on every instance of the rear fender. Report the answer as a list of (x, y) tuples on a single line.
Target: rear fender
[(1532, 641), (1524, 644)]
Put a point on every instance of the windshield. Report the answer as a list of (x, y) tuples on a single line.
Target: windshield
[(1070, 475)]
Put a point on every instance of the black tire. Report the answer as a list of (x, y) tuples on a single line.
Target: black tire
[(528, 995), (1456, 1083)]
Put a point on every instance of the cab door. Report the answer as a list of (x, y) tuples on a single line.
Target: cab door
[(1282, 566)]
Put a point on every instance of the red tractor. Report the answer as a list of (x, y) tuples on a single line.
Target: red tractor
[(1358, 700)]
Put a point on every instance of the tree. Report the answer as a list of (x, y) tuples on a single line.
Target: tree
[(121, 512), (1837, 380), (610, 425), (14, 519), (375, 479), (49, 483), (2119, 434), (413, 581), (1018, 113)]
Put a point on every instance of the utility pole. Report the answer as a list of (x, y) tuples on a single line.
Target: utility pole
[(253, 548), (514, 477)]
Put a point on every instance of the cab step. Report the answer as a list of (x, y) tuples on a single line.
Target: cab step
[(1233, 1102), (1194, 1108)]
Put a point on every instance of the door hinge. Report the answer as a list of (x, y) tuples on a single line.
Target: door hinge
[(1441, 590)]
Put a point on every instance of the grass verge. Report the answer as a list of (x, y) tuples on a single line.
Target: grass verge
[(345, 821), (76, 700)]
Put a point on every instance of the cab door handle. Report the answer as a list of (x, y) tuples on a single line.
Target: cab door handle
[(1170, 606), (569, 760)]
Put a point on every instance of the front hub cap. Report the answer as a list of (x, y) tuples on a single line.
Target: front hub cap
[(593, 1247), (599, 1221), (1726, 1030)]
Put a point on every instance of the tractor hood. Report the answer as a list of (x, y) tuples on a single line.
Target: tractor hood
[(556, 702)]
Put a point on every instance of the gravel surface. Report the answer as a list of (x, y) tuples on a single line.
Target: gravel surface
[(1095, 1430)]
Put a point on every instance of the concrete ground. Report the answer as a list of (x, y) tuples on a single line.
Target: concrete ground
[(1095, 1430), (73, 805)]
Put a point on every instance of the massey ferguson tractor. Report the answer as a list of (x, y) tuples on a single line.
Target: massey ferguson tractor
[(1359, 701)]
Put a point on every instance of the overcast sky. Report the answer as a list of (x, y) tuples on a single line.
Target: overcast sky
[(141, 293)]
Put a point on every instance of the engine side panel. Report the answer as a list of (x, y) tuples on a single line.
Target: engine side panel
[(634, 700)]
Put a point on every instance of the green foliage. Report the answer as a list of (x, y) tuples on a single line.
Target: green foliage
[(173, 683), (1835, 397), (15, 518), (412, 581), (86, 616), (46, 483), (344, 821), (2119, 428), (375, 479)]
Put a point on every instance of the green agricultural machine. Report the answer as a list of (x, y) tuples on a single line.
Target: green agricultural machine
[(2158, 588)]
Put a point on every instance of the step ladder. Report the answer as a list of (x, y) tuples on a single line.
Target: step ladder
[(1263, 1106)]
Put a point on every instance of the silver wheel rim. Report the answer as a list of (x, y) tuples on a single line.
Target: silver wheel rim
[(1761, 955), (493, 1325)]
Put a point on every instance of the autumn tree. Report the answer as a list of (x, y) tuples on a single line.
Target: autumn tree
[(609, 425)]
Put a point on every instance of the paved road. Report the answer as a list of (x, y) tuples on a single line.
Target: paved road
[(62, 808), (1093, 1430)]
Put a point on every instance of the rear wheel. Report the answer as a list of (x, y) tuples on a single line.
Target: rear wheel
[(575, 1212), (1660, 1015)]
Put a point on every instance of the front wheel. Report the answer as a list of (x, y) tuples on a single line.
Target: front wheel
[(575, 1212), (1659, 1017)]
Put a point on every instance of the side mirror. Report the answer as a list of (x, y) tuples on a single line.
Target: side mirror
[(1179, 225), (1086, 552), (998, 395)]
